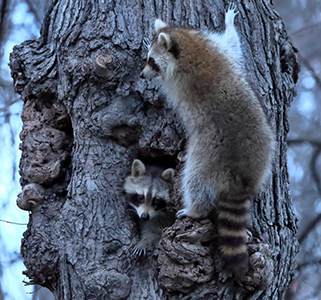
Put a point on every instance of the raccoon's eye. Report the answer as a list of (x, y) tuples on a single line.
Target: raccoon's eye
[(159, 204), (153, 64), (140, 198), (136, 199)]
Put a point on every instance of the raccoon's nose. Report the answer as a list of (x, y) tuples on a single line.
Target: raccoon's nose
[(141, 75), (145, 216)]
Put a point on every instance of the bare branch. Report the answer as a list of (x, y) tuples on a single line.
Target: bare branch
[(3, 13), (313, 162), (35, 11), (311, 69), (316, 178), (308, 263), (3, 109), (300, 30), (309, 228), (15, 223), (313, 142), (313, 166), (6, 83)]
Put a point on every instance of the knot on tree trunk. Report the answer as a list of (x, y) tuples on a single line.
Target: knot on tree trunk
[(188, 257), (290, 60), (33, 69), (102, 64), (185, 257), (42, 253), (261, 272), (31, 195), (46, 142)]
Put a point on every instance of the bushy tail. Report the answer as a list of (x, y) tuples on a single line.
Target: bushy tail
[(233, 218)]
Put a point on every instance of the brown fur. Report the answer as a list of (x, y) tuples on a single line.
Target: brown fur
[(230, 145)]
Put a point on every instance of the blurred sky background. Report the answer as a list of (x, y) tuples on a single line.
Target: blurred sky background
[(21, 20)]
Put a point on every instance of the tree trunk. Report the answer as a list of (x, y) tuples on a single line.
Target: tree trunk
[(87, 115)]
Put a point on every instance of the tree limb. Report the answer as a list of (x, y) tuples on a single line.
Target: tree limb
[(308, 263), (311, 69), (313, 162), (313, 142), (6, 83), (300, 30), (34, 11), (313, 166), (4, 108), (316, 178), (310, 227), (2, 17)]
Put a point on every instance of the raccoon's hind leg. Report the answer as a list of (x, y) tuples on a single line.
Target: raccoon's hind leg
[(197, 199), (195, 202)]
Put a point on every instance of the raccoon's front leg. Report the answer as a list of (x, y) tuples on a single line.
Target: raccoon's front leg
[(229, 40), (148, 240), (198, 199), (139, 250)]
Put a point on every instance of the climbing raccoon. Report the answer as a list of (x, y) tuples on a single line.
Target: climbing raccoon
[(230, 143), (148, 188)]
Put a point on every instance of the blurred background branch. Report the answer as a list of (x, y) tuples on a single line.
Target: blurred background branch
[(316, 178), (5, 108), (3, 20), (307, 64), (303, 21)]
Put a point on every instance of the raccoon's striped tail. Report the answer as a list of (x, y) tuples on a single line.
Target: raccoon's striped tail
[(233, 218)]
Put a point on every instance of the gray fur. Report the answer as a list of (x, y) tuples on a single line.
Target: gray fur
[(230, 144), (150, 182)]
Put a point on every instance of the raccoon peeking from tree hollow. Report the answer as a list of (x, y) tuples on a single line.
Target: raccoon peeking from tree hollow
[(230, 143), (148, 188)]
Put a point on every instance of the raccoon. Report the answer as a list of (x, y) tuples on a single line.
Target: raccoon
[(230, 143), (148, 188)]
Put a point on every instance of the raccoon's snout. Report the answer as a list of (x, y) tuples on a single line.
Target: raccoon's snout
[(141, 75), (145, 216)]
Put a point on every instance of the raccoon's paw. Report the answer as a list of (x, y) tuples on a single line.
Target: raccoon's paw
[(230, 14), (188, 212), (232, 8), (181, 213), (146, 43), (138, 251)]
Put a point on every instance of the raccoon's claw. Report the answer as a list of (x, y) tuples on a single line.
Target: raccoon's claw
[(232, 7), (230, 14), (137, 251), (146, 43), (181, 213), (190, 212)]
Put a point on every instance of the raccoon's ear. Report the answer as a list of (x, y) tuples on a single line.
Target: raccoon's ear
[(159, 24), (138, 168), (168, 175), (165, 40)]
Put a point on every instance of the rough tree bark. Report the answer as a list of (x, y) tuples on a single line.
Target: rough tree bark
[(87, 115)]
